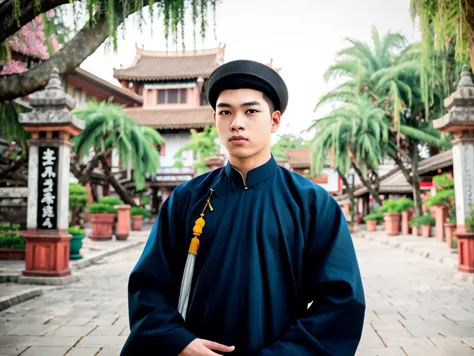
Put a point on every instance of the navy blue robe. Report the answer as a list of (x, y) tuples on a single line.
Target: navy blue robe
[(273, 244)]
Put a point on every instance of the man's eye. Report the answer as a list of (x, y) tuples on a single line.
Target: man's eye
[(251, 111), (224, 112)]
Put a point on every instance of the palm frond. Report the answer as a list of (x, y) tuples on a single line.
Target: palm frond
[(420, 135)]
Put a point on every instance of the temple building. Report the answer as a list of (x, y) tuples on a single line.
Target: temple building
[(174, 102)]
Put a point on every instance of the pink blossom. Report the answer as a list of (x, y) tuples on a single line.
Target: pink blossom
[(30, 40), (13, 67)]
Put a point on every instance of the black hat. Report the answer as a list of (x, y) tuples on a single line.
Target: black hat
[(245, 74)]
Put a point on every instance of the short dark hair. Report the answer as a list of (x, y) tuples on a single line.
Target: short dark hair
[(269, 102)]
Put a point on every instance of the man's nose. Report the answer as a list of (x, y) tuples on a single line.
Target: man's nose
[(238, 123)]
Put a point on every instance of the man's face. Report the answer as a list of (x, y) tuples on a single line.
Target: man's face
[(244, 122)]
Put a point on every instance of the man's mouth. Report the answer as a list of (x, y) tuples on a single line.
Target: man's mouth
[(238, 139)]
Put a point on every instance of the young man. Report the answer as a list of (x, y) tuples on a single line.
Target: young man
[(266, 243)]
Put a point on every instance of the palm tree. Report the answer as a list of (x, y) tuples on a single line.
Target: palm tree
[(357, 134), (359, 62), (392, 76), (108, 128)]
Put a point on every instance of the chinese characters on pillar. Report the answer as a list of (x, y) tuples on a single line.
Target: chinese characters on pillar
[(47, 188), (468, 168)]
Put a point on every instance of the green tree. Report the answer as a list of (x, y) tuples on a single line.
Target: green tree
[(102, 18), (107, 128), (288, 141), (357, 134), (203, 145), (358, 64), (446, 24), (390, 73)]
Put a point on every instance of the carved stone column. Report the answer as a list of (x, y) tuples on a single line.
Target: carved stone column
[(460, 121), (51, 124)]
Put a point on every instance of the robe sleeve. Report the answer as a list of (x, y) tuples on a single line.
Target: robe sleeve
[(156, 327), (333, 323)]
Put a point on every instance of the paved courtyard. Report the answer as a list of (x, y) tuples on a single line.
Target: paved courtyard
[(414, 308)]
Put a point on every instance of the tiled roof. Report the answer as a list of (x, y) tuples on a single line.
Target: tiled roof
[(395, 182), (299, 157), (441, 160), (153, 66), (182, 118), (113, 88)]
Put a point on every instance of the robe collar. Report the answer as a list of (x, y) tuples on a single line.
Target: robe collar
[(254, 176)]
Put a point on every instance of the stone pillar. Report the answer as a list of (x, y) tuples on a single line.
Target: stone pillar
[(51, 124), (460, 122), (406, 216), (441, 216), (123, 222)]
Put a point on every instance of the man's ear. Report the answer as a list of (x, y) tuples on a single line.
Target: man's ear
[(276, 120), (214, 117)]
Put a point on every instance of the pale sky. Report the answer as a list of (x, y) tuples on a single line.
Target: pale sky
[(302, 37)]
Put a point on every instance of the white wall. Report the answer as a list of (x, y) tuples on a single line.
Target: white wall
[(333, 177), (78, 96), (173, 143)]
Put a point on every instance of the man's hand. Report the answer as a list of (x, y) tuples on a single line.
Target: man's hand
[(201, 347)]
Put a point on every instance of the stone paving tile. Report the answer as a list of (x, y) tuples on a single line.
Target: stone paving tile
[(407, 341), (446, 341), (78, 321), (31, 330), (109, 351), (14, 288), (104, 341), (18, 341), (418, 304), (370, 338), (424, 350), (459, 350), (469, 341), (72, 331), (45, 351), (108, 330), (389, 351), (83, 351), (104, 320), (122, 321), (414, 307), (402, 333), (11, 351)]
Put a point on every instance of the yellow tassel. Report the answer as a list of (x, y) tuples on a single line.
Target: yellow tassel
[(194, 246), (201, 222), (198, 227)]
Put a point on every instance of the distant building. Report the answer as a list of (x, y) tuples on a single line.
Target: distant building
[(84, 86), (299, 161)]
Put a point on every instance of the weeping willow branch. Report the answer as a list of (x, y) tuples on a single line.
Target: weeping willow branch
[(445, 25), (9, 24), (445, 21), (14, 14), (104, 17)]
